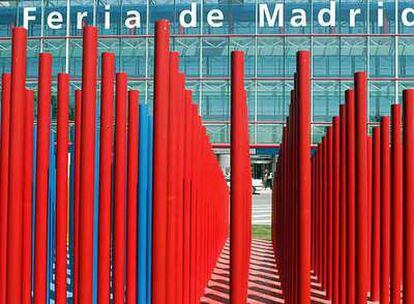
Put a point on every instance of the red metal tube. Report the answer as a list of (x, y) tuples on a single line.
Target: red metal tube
[(120, 188), (14, 220), (237, 277), (336, 206), (76, 199), (172, 182), (132, 195), (350, 152), (361, 188), (161, 87), (385, 210), (376, 215), (87, 164), (42, 177), (408, 146), (27, 199), (397, 205), (303, 64), (105, 177), (62, 187), (4, 179)]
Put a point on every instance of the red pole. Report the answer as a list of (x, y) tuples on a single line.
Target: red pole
[(42, 177), (105, 177), (172, 184), (350, 152), (408, 147), (120, 188), (62, 187), (78, 126), (376, 215), (87, 164), (237, 188), (336, 206), (385, 210), (132, 207), (361, 187), (397, 206), (343, 206), (27, 200), (14, 223), (303, 63), (4, 179), (161, 87)]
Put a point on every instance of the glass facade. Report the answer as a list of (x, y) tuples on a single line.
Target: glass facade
[(386, 52)]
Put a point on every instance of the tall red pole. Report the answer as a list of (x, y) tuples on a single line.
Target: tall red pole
[(237, 293), (408, 146), (62, 187), (336, 206), (397, 205), (14, 221), (385, 210), (343, 207), (350, 176), (87, 164), (42, 177), (105, 177), (161, 83), (304, 141), (76, 200), (172, 182), (4, 179), (376, 214), (361, 187), (120, 188), (132, 195), (27, 200)]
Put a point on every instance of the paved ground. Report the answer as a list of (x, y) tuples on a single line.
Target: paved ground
[(261, 207), (264, 280)]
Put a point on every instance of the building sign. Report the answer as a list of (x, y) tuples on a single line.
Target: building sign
[(268, 15)]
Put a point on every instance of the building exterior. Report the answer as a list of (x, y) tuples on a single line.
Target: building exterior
[(343, 36)]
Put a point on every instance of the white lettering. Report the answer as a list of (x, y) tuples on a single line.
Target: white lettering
[(405, 17), (352, 16), (27, 17), (215, 18), (380, 14), (298, 17), (107, 17), (133, 19), (192, 14), (54, 20), (81, 15), (264, 13), (330, 13)]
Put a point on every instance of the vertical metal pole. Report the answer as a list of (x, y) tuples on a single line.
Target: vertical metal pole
[(105, 176), (161, 72), (132, 196), (62, 187), (42, 178), (237, 187), (120, 188), (172, 178), (336, 204), (304, 140), (76, 200), (385, 210), (350, 152), (361, 188), (397, 205), (14, 221), (87, 164), (342, 207), (4, 179), (27, 200), (408, 146), (376, 215)]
